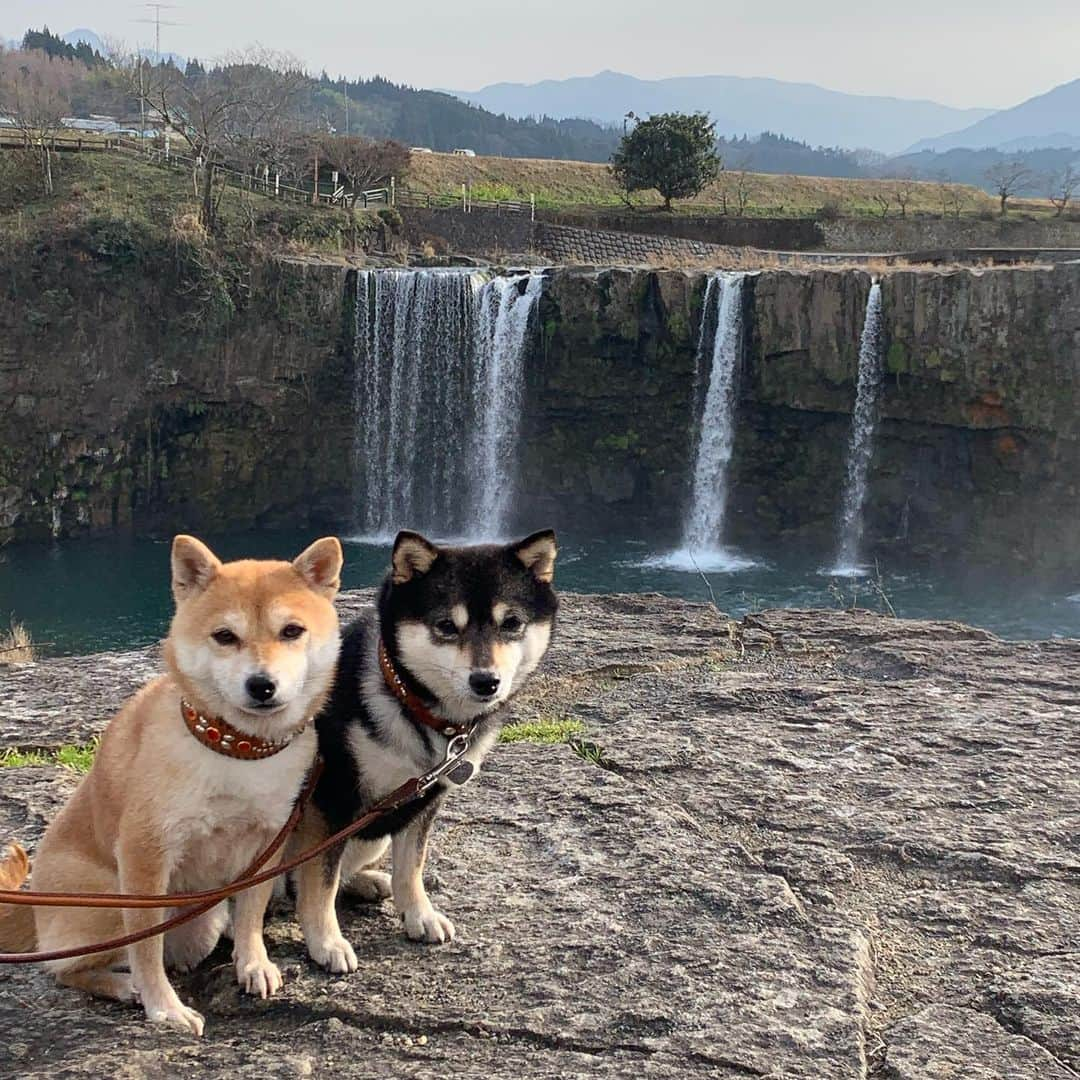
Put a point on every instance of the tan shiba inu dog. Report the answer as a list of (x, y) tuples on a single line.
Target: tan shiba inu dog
[(193, 778)]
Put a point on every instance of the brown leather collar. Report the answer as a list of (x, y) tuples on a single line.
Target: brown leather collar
[(220, 736), (411, 703)]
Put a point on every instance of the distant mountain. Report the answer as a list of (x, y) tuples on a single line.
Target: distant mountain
[(73, 37), (964, 166), (82, 33), (381, 109), (1049, 120), (740, 106)]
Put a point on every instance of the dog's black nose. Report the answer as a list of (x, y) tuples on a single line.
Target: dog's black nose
[(261, 688), (484, 683)]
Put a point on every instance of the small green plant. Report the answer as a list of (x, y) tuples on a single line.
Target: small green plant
[(618, 443), (877, 585), (557, 729), (593, 753), (76, 759), (494, 192)]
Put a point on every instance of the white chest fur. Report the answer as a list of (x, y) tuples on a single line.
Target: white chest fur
[(228, 810), (400, 752)]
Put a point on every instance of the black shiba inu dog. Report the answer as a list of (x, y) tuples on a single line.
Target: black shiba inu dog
[(456, 633)]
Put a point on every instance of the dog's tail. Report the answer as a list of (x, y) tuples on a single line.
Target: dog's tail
[(17, 932)]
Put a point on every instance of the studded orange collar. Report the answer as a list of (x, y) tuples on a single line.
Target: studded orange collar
[(411, 703), (220, 736)]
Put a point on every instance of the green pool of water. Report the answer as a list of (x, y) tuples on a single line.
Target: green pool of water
[(89, 596)]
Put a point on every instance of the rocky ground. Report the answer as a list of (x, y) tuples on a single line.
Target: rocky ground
[(810, 844)]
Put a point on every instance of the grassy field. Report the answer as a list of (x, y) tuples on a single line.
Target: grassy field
[(566, 184), (116, 194)]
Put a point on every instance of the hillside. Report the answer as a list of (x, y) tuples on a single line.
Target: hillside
[(382, 109), (965, 166), (740, 106), (1048, 120), (559, 184), (373, 107)]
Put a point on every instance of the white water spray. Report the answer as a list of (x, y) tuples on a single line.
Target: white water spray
[(861, 446), (505, 317), (702, 547), (438, 357)]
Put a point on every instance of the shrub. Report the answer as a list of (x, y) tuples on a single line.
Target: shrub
[(391, 216), (16, 645), (830, 211)]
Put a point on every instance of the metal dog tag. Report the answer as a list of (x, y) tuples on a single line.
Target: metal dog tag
[(460, 773)]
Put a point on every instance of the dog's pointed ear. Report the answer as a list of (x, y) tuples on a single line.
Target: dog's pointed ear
[(537, 553), (194, 566), (413, 556), (320, 566)]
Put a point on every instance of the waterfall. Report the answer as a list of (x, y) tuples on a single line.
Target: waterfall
[(861, 445), (505, 317), (438, 358), (705, 523), (719, 354)]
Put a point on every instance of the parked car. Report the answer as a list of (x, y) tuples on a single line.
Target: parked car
[(463, 152), (421, 150)]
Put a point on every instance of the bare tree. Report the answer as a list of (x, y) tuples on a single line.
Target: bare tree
[(1061, 186), (364, 163), (741, 187), (944, 188), (884, 201), (35, 93), (237, 111), (904, 187), (1008, 178)]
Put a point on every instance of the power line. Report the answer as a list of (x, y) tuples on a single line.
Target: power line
[(158, 24)]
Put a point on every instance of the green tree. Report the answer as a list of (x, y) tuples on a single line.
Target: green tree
[(675, 153)]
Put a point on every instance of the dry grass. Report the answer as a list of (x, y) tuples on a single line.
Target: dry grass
[(16, 645), (564, 184)]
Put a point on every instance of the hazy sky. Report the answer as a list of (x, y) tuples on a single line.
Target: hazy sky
[(961, 52)]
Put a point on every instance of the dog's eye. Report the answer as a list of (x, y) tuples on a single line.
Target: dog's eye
[(292, 631), (225, 637), (511, 624), (447, 627)]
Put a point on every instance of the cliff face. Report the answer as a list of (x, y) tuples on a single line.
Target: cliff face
[(142, 402), (978, 448), (164, 400)]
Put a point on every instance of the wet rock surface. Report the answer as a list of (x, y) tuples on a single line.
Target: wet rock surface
[(808, 844)]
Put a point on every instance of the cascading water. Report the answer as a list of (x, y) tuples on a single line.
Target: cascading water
[(505, 317), (438, 357), (722, 351), (861, 446)]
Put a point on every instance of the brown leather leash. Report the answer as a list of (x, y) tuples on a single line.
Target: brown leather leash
[(201, 902)]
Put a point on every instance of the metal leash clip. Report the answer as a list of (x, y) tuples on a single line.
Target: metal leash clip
[(451, 768)]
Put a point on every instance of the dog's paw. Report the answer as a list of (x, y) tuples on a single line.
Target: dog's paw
[(335, 954), (177, 1015), (369, 885), (260, 978), (424, 923)]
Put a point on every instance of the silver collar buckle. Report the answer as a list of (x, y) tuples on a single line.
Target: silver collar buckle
[(453, 766)]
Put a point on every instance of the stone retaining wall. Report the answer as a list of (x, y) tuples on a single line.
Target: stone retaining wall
[(924, 232), (773, 234), (494, 235), (567, 244), (483, 232)]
